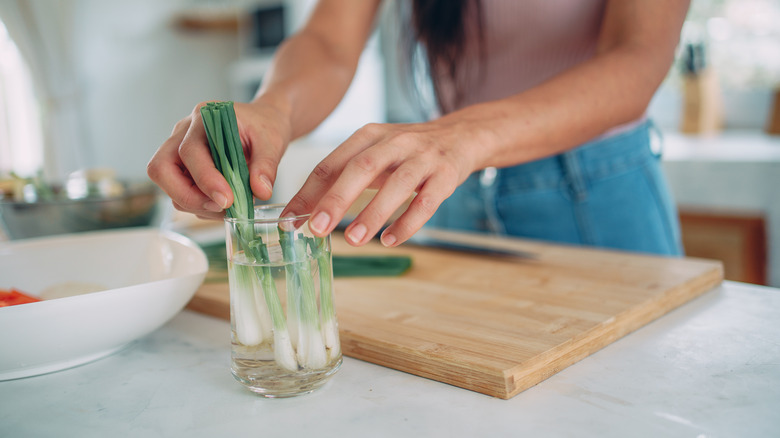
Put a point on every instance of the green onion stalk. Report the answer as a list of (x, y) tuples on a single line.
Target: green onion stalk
[(284, 353), (250, 313), (330, 329), (301, 296), (307, 337), (219, 120)]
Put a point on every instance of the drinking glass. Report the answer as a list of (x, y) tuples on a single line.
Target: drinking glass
[(284, 332)]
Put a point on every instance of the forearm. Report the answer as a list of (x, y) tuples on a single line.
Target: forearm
[(313, 69), (633, 55), (305, 83), (570, 109)]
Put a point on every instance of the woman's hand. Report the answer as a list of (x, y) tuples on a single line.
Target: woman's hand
[(310, 73), (635, 50), (431, 159), (184, 169)]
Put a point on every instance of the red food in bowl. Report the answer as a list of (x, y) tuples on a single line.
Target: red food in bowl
[(12, 297)]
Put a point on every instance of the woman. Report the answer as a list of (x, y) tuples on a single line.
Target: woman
[(543, 125)]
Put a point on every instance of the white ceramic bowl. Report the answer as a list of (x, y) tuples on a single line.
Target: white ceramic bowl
[(148, 276)]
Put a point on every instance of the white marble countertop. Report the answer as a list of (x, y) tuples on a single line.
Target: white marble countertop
[(732, 146), (708, 369)]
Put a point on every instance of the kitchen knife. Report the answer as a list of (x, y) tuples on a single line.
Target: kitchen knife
[(439, 239), (456, 241)]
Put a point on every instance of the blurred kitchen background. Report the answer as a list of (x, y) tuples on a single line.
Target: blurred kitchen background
[(99, 84)]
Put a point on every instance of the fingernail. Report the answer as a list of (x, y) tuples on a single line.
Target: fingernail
[(388, 240), (267, 183), (212, 206), (220, 200), (357, 233), (320, 222), (287, 224)]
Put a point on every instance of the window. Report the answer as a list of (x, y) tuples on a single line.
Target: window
[(738, 43), (742, 37), (21, 135)]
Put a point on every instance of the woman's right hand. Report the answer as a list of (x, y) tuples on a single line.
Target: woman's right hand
[(184, 169), (310, 74)]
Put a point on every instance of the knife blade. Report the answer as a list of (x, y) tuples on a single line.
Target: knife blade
[(430, 237), (450, 241)]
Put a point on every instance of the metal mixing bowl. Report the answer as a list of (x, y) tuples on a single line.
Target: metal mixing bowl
[(136, 204)]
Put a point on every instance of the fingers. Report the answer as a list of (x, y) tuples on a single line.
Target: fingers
[(196, 157), (329, 206), (421, 209), (202, 215), (183, 166), (167, 171), (357, 175), (264, 134), (402, 161), (331, 203), (263, 161), (396, 190)]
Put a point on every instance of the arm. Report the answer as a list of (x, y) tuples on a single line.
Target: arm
[(635, 50), (313, 70), (634, 53), (310, 74)]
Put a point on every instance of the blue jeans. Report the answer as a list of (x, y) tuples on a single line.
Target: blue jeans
[(608, 193)]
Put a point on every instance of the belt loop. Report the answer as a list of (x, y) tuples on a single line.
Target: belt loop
[(573, 174), (655, 138), (489, 187)]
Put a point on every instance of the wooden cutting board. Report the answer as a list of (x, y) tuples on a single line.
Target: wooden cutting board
[(498, 325)]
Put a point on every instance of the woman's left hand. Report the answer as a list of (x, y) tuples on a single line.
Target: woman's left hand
[(430, 159)]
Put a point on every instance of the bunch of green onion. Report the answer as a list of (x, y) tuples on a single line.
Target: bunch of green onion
[(307, 337)]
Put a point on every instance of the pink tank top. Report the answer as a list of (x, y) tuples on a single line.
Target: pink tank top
[(526, 43)]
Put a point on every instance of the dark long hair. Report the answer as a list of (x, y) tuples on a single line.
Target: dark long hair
[(441, 27)]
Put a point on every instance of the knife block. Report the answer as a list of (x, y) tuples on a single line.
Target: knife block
[(773, 125), (702, 104)]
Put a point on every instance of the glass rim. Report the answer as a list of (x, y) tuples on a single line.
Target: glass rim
[(294, 218)]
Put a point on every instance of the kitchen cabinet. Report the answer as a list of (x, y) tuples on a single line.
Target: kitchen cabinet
[(736, 238), (724, 176)]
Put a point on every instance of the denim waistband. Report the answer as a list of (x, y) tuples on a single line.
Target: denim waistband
[(593, 160)]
